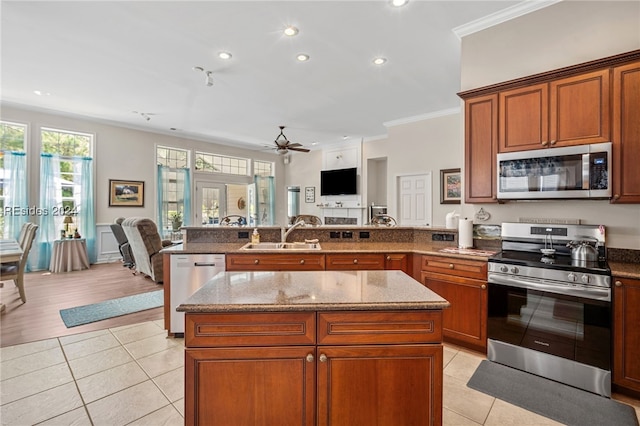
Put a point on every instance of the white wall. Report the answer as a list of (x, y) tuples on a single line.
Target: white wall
[(122, 153), (417, 148)]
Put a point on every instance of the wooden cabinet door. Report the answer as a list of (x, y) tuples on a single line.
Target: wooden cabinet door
[(454, 266), (397, 261), (524, 118), (579, 109), (250, 386), (275, 262), (386, 385), (355, 261), (465, 321), (626, 134), (481, 146), (626, 334)]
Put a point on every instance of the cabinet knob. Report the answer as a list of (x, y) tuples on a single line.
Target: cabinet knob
[(545, 143), (616, 197), (553, 142), (451, 266), (323, 358), (483, 286), (255, 262), (355, 261), (618, 283), (310, 358), (302, 261), (388, 257)]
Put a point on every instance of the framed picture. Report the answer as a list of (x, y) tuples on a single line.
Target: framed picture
[(310, 194), (126, 193), (450, 186)]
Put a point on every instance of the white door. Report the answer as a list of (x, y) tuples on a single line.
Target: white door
[(414, 200), (210, 203)]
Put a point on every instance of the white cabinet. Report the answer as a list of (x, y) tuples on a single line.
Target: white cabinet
[(189, 272)]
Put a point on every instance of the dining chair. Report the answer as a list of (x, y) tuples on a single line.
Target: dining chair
[(15, 271), (309, 219)]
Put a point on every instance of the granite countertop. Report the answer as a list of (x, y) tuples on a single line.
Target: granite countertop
[(341, 247), (625, 270), (311, 291)]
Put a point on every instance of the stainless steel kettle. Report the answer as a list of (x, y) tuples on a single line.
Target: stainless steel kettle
[(582, 250)]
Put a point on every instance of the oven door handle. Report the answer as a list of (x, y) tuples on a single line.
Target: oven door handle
[(569, 290)]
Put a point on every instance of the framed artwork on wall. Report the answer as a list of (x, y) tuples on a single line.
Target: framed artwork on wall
[(126, 193), (450, 186), (310, 194)]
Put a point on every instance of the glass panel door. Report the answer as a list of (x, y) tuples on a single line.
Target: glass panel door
[(210, 203)]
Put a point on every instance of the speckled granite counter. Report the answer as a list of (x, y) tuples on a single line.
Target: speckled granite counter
[(331, 247), (311, 291), (625, 270)]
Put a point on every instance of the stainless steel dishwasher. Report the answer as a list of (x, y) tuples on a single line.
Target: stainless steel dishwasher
[(189, 272)]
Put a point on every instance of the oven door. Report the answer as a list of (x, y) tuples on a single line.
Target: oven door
[(570, 327)]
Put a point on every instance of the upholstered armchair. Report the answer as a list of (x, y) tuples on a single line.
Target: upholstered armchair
[(146, 243)]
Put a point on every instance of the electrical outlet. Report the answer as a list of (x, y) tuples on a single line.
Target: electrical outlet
[(334, 234), (347, 234), (243, 234), (364, 234), (437, 237), (449, 237)]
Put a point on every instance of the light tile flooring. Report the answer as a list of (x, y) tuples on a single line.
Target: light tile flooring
[(134, 375)]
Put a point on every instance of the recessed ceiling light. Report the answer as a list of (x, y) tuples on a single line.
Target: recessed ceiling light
[(399, 3), (224, 55), (290, 31), (379, 61), (41, 93), (302, 57)]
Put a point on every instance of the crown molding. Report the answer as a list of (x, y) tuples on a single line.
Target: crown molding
[(422, 117), (505, 15)]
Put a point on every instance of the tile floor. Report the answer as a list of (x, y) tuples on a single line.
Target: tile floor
[(134, 375)]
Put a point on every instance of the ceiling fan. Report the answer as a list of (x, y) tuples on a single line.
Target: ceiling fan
[(283, 145)]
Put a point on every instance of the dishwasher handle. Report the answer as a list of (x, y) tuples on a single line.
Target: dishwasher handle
[(204, 264)]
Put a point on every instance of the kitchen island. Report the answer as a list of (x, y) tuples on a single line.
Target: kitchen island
[(313, 348)]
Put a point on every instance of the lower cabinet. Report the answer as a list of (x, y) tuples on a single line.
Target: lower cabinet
[(275, 262), (361, 368), (355, 261), (464, 285), (398, 261), (626, 334)]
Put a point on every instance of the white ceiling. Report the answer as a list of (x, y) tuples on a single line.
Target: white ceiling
[(105, 60)]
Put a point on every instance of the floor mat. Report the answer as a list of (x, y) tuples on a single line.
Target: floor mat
[(86, 314), (554, 400)]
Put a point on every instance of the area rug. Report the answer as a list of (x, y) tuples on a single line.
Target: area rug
[(86, 314), (562, 403)]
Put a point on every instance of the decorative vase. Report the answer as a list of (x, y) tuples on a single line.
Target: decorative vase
[(176, 225)]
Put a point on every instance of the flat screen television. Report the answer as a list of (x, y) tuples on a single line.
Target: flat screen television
[(338, 182)]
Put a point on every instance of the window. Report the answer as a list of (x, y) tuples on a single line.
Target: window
[(174, 187), (214, 163), (67, 145), (12, 168), (263, 168)]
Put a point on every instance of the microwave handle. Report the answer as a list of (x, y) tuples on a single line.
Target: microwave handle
[(586, 170)]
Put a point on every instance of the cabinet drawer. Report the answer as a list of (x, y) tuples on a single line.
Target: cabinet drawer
[(453, 266), (275, 262), (399, 327), (249, 329), (355, 261)]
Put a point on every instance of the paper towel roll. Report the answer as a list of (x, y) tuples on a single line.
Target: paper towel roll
[(465, 233)]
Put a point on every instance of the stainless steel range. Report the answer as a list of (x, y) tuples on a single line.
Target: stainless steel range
[(550, 304)]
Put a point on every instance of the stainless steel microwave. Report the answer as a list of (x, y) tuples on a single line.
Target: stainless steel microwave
[(580, 171)]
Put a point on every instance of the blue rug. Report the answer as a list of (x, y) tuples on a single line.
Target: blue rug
[(86, 314)]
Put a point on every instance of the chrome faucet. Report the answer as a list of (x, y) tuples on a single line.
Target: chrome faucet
[(294, 226)]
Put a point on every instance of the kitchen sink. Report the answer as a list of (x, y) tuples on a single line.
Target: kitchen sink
[(281, 246)]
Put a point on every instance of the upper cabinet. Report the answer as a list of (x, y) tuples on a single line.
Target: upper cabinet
[(626, 133), (567, 111), (594, 102)]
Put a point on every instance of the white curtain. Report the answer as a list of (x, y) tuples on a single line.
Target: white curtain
[(15, 193)]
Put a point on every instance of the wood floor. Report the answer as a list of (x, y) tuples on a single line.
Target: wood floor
[(47, 293)]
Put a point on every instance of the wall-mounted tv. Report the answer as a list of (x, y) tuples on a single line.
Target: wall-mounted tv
[(339, 181)]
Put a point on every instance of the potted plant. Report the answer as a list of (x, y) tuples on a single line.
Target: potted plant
[(176, 220)]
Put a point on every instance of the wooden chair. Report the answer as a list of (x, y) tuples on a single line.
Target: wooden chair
[(15, 271)]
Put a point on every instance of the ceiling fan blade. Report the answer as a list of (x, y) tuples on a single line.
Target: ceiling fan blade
[(295, 144), (298, 149)]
